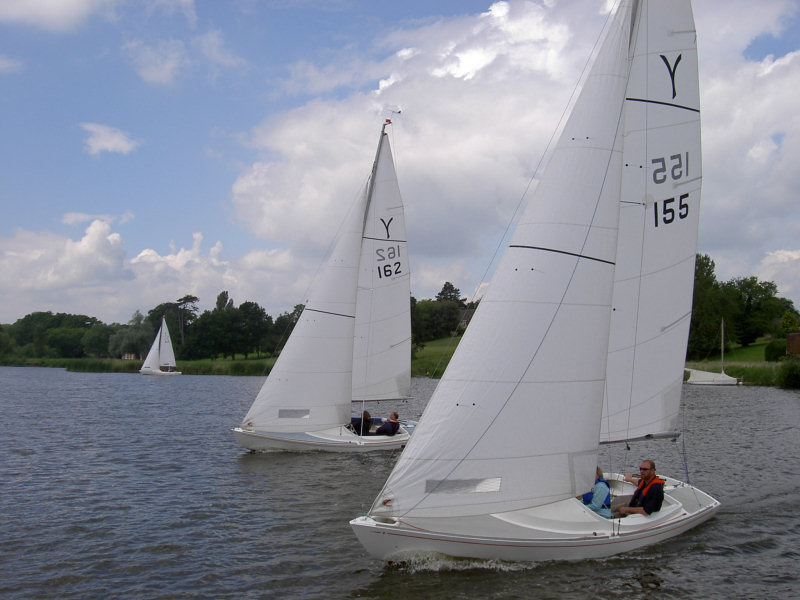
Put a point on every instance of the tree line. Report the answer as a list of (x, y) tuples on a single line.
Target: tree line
[(226, 330), (749, 308)]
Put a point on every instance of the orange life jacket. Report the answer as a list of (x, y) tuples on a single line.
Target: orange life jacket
[(647, 487)]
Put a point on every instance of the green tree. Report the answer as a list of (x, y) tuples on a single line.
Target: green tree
[(757, 307), (255, 324), (223, 301), (67, 342), (187, 313), (7, 343), (450, 293), (134, 338), (790, 322), (710, 307), (96, 339)]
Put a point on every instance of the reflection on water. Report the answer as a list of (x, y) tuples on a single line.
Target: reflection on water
[(132, 487)]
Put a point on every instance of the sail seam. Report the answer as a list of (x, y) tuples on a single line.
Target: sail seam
[(602, 260), (672, 104), (366, 237), (327, 312)]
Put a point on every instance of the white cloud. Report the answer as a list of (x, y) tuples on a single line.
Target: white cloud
[(51, 265), (212, 47), (103, 138), (76, 218), (160, 64), (91, 275), (53, 15), (480, 97), (782, 267), (170, 7), (10, 65)]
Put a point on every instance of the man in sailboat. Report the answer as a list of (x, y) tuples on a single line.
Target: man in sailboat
[(649, 494), (390, 425)]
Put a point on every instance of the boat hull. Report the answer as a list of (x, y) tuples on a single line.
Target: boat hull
[(709, 378), (564, 531), (338, 439), (157, 373)]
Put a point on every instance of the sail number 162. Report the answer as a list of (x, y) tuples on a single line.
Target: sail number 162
[(392, 265)]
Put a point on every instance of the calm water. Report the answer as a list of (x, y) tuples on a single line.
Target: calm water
[(122, 486)]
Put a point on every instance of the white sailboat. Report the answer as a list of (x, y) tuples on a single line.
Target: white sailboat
[(352, 343), (160, 359), (698, 377), (511, 436)]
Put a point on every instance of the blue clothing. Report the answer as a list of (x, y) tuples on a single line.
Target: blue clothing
[(599, 499), (388, 428)]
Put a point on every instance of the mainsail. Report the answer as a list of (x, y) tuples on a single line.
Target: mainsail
[(514, 421)]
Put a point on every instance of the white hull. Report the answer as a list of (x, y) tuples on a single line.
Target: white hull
[(158, 373), (337, 439), (565, 530), (709, 378)]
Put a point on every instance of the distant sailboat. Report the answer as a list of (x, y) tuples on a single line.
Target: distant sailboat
[(510, 438), (161, 358), (352, 343), (697, 377)]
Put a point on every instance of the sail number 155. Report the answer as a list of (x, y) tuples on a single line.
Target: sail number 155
[(675, 168)]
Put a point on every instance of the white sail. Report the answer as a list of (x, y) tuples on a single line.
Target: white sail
[(659, 210), (352, 340), (697, 377), (166, 354), (310, 385), (514, 421), (382, 345), (511, 435), (161, 354)]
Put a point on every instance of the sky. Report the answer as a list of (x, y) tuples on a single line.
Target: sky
[(151, 149)]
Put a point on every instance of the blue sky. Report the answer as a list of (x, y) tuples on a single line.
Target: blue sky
[(156, 148)]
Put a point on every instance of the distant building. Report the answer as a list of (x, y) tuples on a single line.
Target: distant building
[(129, 356), (466, 317), (793, 343)]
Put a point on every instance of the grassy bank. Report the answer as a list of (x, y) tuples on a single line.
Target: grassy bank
[(747, 364), (188, 367)]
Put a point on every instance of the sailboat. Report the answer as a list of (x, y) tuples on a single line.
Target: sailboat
[(581, 336), (698, 377), (160, 359), (352, 343)]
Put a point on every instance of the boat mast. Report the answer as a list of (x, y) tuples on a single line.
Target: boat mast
[(371, 186)]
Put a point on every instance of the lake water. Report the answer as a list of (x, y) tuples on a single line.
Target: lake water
[(123, 486)]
